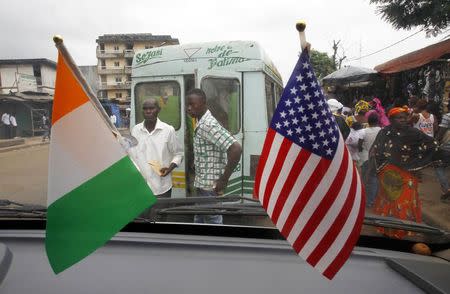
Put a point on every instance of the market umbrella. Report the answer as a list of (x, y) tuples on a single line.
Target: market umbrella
[(350, 74)]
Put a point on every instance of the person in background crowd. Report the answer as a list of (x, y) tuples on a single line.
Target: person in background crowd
[(346, 111), (443, 138), (13, 121), (423, 120), (412, 101), (113, 119), (369, 176), (6, 125), (398, 152), (336, 108), (378, 109), (352, 142), (47, 128), (360, 111)]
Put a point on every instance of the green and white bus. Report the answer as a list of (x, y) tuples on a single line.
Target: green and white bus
[(242, 87)]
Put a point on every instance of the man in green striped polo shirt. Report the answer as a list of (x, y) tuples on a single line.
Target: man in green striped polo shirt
[(216, 152)]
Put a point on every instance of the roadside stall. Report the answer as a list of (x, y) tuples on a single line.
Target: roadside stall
[(424, 73), (349, 84), (28, 107)]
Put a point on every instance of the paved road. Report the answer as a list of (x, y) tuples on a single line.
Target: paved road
[(23, 175), (23, 178)]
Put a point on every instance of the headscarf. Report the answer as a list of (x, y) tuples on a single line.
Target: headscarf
[(379, 110), (397, 110), (334, 105), (362, 105)]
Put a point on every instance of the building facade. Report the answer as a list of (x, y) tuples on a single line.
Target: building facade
[(27, 75), (26, 91), (115, 55)]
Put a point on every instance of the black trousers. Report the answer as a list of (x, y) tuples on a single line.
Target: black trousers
[(167, 194), (6, 131), (13, 131)]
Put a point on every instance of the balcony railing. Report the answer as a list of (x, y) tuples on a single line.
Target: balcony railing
[(114, 86), (110, 70), (109, 53), (127, 53)]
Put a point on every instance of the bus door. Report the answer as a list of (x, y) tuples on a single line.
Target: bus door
[(167, 91), (224, 98)]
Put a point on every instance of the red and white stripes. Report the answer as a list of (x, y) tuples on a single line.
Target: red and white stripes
[(316, 203)]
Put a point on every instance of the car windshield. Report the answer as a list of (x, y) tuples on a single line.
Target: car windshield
[(195, 112)]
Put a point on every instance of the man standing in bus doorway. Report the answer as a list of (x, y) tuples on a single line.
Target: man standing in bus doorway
[(158, 148), (216, 152)]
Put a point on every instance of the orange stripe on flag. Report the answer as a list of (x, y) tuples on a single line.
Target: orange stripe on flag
[(69, 94)]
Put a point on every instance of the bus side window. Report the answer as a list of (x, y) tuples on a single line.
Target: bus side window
[(270, 98), (223, 96), (167, 93)]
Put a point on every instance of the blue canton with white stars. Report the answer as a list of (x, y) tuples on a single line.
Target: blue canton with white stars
[(303, 115)]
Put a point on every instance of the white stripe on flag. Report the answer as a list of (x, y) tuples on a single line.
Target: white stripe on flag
[(276, 144), (281, 181), (343, 236), (300, 183), (332, 213), (83, 143), (318, 194)]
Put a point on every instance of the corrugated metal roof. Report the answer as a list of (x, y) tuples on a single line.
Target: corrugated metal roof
[(35, 97), (415, 59)]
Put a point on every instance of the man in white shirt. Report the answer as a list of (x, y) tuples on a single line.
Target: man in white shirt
[(369, 176), (158, 148), (113, 119), (6, 125), (13, 126)]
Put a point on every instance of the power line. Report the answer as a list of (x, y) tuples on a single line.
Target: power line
[(358, 58)]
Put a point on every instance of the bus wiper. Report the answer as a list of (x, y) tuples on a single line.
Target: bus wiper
[(201, 200), (223, 209), (16, 209), (395, 223), (230, 205)]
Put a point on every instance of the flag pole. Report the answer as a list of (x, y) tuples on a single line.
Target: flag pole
[(301, 26), (90, 94)]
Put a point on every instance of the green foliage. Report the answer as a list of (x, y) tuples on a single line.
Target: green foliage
[(321, 63), (431, 15)]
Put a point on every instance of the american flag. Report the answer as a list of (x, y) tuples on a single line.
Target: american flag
[(306, 179)]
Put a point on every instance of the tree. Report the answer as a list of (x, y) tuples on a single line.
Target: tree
[(432, 15), (335, 56), (322, 63)]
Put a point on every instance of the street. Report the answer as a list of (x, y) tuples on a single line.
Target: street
[(23, 178), (23, 175)]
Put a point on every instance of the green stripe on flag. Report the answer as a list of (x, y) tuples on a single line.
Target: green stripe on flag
[(87, 217)]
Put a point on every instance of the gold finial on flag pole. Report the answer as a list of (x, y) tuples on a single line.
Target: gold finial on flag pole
[(301, 26), (57, 39)]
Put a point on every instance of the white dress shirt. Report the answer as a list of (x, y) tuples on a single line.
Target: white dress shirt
[(160, 145), (13, 121), (5, 119)]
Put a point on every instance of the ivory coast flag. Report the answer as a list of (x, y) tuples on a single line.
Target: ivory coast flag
[(94, 189)]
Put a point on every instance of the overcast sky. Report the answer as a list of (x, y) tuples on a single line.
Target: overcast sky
[(27, 27)]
